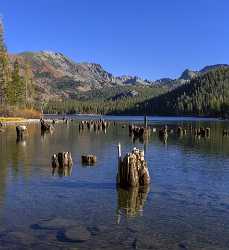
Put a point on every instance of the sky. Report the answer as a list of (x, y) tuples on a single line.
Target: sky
[(149, 38)]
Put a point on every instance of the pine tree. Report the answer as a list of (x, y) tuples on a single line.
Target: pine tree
[(29, 91), (4, 67), (18, 86)]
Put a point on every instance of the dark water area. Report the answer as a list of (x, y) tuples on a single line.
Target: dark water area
[(185, 207)]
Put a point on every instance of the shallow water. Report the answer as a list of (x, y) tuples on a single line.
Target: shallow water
[(185, 207)]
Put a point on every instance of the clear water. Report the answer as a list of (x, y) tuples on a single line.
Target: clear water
[(185, 207)]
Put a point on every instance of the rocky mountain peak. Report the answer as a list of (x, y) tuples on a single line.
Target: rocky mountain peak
[(188, 74)]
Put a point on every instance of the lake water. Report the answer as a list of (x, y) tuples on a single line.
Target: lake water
[(185, 207)]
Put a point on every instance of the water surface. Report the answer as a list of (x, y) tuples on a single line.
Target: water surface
[(185, 207)]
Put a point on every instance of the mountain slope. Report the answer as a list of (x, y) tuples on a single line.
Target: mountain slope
[(57, 76), (207, 94)]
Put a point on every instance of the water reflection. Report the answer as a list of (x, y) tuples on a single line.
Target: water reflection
[(131, 201), (62, 171), (21, 141), (190, 189), (45, 134)]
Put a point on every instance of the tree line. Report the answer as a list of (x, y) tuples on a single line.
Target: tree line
[(16, 87), (104, 101), (206, 95)]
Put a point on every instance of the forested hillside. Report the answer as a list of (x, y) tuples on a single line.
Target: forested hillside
[(106, 101), (206, 95), (16, 86)]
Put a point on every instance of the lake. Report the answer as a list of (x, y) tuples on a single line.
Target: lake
[(186, 205)]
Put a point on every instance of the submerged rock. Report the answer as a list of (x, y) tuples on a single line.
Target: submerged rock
[(77, 234), (54, 224), (21, 239)]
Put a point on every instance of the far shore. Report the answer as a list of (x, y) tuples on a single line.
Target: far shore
[(49, 117), (17, 120)]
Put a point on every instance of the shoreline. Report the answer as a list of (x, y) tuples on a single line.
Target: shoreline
[(5, 121), (16, 121), (135, 117), (139, 115)]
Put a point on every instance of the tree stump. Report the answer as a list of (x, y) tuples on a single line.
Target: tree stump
[(225, 132), (20, 131), (181, 131), (133, 170), (45, 126), (88, 159), (63, 159), (203, 132)]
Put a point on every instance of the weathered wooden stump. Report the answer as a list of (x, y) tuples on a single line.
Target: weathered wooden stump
[(203, 132), (96, 125), (225, 132), (1, 127), (139, 132), (63, 159), (132, 169), (181, 131), (131, 128), (163, 132), (104, 125), (20, 129), (171, 131), (208, 132), (45, 126), (88, 159), (63, 163), (54, 161)]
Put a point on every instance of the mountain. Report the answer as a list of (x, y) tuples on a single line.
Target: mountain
[(133, 80), (57, 76), (188, 74)]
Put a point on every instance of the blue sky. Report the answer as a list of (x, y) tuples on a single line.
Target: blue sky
[(149, 38)]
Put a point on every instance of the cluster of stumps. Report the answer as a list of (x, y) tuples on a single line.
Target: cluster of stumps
[(94, 125), (132, 169)]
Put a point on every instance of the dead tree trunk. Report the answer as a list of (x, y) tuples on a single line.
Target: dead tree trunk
[(45, 126), (133, 170), (63, 159), (20, 131)]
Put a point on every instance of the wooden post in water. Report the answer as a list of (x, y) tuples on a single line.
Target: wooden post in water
[(20, 131), (119, 163), (119, 152), (145, 121), (88, 159)]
